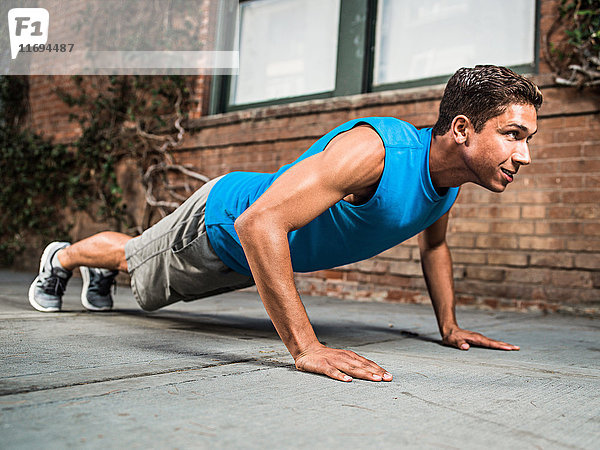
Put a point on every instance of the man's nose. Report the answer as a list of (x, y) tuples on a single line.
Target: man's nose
[(522, 155)]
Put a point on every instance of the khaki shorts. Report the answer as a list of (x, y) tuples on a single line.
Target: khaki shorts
[(173, 260)]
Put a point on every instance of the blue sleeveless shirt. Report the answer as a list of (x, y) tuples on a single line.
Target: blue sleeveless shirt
[(404, 204)]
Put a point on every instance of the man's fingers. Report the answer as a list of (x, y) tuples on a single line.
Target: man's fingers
[(334, 373), (455, 341), (342, 365), (362, 368), (464, 339), (482, 341), (501, 345)]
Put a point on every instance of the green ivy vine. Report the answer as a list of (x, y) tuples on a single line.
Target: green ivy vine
[(134, 118), (36, 177), (573, 43)]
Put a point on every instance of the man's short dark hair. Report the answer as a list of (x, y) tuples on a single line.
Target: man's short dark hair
[(484, 92)]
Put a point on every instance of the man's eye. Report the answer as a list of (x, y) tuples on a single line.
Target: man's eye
[(514, 134)]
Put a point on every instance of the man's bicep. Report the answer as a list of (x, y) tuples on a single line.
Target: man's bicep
[(316, 183)]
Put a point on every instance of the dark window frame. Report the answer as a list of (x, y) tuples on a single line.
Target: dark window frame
[(355, 61)]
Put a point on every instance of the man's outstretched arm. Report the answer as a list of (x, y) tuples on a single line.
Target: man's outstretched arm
[(352, 163), (437, 269)]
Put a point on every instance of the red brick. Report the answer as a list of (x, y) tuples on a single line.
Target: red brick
[(587, 261), (495, 241), (485, 273), (503, 212), (586, 211), (590, 150), (403, 296), (427, 106), (465, 300), (591, 229), (591, 181), (412, 242), (543, 167), (551, 123), (558, 181), (474, 194), (397, 252), (405, 268), (527, 275), (332, 274), (586, 245), (531, 196), (566, 295), (542, 228), (540, 243), (533, 212), (561, 228), (359, 277), (585, 196), (560, 212), (571, 278), (416, 254), (458, 272), (582, 135), (577, 121), (580, 166), (561, 101), (478, 287), (520, 227), (472, 226), (596, 280), (593, 121), (508, 259), (469, 256), (491, 302)]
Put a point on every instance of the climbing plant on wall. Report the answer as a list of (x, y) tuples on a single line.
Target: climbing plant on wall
[(139, 119), (573, 43), (135, 118), (37, 176)]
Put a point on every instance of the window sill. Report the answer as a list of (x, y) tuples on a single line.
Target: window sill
[(344, 103)]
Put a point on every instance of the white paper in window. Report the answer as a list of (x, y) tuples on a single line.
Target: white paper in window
[(287, 48), (428, 38)]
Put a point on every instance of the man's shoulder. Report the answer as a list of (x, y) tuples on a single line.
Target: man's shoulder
[(395, 132)]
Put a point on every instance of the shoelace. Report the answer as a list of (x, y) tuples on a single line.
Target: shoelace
[(54, 285)]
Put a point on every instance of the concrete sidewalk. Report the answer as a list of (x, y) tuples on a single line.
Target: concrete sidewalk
[(213, 373)]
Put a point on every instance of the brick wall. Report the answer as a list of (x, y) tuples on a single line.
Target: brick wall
[(536, 246)]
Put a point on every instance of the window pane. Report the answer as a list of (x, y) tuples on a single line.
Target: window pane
[(430, 38), (287, 48)]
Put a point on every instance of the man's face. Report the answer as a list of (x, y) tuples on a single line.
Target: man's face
[(495, 154)]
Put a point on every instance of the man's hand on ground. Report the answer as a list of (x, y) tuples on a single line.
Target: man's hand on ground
[(340, 364), (463, 339)]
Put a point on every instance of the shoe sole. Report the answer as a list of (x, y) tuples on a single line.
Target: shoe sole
[(50, 248), (85, 275)]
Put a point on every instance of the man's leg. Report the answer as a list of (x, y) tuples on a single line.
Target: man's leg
[(104, 250)]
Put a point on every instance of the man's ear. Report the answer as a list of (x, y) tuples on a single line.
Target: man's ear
[(460, 129)]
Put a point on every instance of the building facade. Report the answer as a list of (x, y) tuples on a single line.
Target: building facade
[(307, 66)]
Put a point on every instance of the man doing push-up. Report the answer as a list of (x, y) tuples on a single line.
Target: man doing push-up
[(364, 187)]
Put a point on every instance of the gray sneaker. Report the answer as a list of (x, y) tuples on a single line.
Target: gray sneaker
[(46, 291), (96, 294)]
